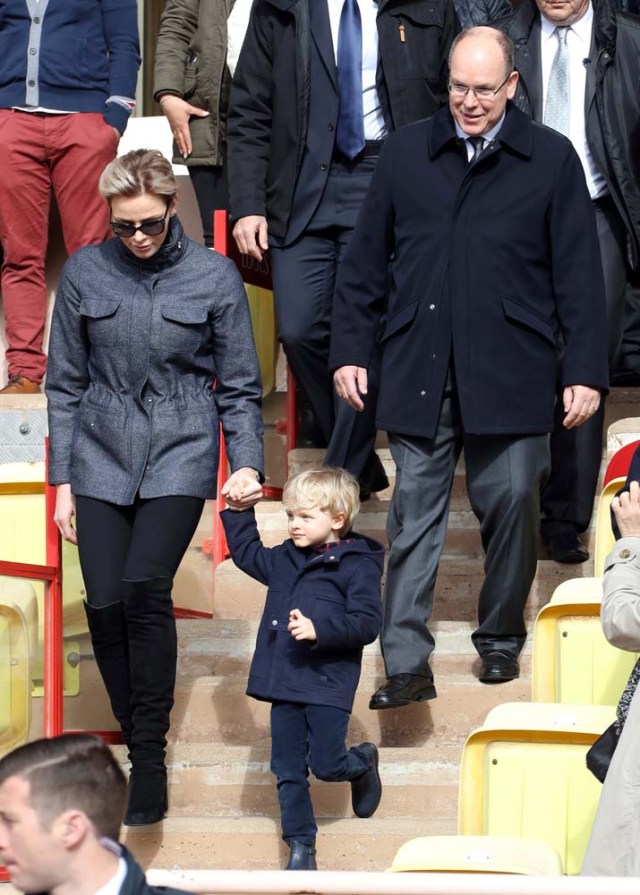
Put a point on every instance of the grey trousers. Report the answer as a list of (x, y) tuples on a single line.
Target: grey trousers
[(504, 477)]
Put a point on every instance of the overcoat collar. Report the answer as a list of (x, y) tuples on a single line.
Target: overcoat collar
[(515, 133)]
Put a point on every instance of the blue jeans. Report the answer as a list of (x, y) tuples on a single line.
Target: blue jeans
[(303, 738)]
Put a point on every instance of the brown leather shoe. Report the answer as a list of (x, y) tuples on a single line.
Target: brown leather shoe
[(20, 385)]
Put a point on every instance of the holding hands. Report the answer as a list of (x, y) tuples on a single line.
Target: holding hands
[(242, 489), (301, 627), (626, 509)]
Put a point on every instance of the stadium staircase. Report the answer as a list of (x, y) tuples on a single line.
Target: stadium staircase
[(223, 806)]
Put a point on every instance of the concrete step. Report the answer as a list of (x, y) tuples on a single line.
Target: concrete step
[(235, 781), (457, 587), (254, 843), (211, 706)]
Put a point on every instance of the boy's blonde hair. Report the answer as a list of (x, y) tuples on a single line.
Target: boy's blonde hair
[(329, 489)]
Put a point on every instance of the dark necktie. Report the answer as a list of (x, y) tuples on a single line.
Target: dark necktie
[(478, 146), (350, 130)]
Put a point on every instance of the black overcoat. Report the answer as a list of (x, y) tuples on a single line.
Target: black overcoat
[(493, 264)]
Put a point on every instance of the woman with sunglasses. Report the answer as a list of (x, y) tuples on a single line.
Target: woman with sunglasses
[(151, 348)]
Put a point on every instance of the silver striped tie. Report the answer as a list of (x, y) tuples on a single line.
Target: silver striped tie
[(557, 108)]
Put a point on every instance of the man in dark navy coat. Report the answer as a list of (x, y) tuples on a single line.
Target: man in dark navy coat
[(495, 257)]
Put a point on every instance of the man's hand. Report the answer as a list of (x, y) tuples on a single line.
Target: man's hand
[(178, 112), (242, 489), (301, 627), (250, 234), (65, 512), (580, 402), (350, 383), (626, 509)]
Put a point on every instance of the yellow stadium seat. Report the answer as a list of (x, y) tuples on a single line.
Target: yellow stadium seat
[(477, 854), (578, 590), (22, 539), (18, 640), (263, 319), (523, 774), (604, 532), (572, 660)]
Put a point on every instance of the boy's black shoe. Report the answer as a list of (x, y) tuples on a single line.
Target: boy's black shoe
[(366, 790), (302, 857)]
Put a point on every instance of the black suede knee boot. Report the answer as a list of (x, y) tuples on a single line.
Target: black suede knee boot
[(108, 631), (153, 653)]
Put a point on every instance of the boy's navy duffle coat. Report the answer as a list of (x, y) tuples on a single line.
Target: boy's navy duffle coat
[(339, 590)]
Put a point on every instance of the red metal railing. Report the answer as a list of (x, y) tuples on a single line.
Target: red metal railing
[(253, 273)]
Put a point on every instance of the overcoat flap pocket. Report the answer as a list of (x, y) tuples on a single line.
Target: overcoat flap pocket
[(401, 318), (97, 308), (518, 313), (184, 313)]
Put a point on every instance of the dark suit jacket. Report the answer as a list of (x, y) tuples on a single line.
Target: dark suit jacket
[(269, 104), (491, 264), (611, 103)]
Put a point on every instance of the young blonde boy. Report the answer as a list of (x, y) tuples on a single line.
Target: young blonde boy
[(323, 605)]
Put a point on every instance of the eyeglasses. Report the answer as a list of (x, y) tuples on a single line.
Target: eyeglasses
[(486, 93), (153, 227)]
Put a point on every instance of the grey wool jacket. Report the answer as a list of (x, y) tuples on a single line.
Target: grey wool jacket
[(135, 348)]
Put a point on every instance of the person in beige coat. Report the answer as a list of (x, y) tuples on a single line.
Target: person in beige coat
[(614, 846)]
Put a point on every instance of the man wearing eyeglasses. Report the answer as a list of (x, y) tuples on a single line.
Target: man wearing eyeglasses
[(484, 221), (578, 62)]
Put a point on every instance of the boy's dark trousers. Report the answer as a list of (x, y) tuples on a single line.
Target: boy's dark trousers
[(308, 737)]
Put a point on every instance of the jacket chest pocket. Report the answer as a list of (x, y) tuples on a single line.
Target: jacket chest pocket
[(328, 605), (182, 328), (418, 28), (102, 320)]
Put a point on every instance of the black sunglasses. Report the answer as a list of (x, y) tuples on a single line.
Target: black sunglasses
[(153, 227)]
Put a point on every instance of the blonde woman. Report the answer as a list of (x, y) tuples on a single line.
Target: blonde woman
[(143, 327)]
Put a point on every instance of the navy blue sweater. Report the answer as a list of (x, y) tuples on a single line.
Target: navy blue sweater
[(70, 55)]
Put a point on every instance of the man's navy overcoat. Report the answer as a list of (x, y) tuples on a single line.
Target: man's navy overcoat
[(496, 265)]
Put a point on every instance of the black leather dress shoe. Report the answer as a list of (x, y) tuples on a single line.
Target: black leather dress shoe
[(401, 689), (366, 791), (498, 667), (566, 547), (373, 477)]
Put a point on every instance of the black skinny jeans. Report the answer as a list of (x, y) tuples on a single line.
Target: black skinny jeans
[(146, 539)]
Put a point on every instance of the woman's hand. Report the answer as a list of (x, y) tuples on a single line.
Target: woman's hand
[(242, 489), (626, 509), (178, 112), (65, 512)]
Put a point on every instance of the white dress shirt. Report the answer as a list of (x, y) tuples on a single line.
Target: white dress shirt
[(374, 126), (579, 46), (113, 886)]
